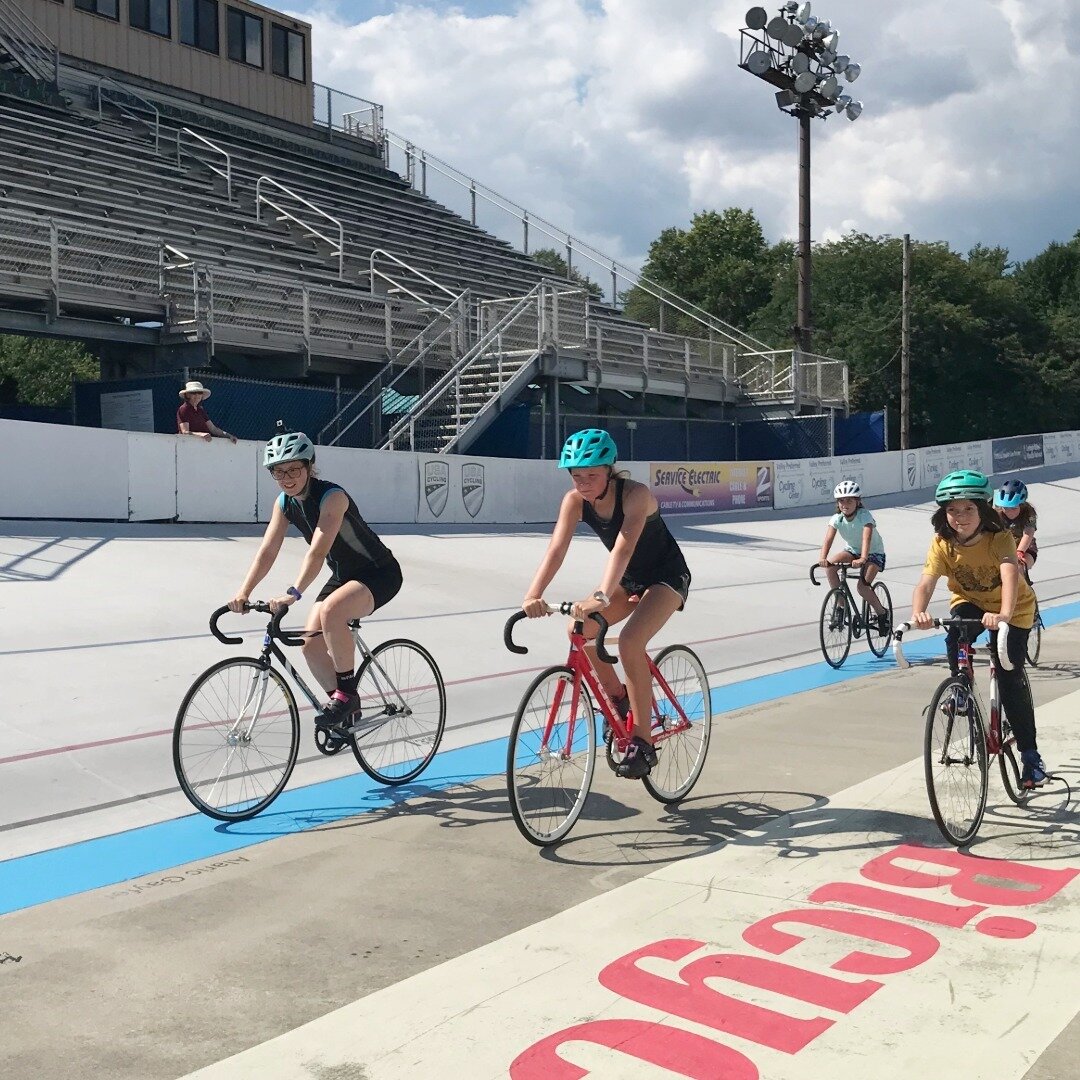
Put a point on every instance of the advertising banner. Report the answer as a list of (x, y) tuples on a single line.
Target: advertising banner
[(1060, 447), (823, 478), (693, 487), (933, 465), (1019, 452), (791, 481), (977, 456)]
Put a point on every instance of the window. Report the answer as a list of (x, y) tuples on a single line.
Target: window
[(288, 48), (150, 15), (199, 24), (245, 38), (109, 8)]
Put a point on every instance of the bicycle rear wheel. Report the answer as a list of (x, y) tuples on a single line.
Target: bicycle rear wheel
[(1010, 768), (835, 628), (955, 761), (403, 712), (551, 756), (878, 642), (1034, 641), (681, 724), (236, 738)]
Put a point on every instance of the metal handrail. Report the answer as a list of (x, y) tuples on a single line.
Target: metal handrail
[(327, 93), (479, 348), (226, 173), (461, 303), (128, 92), (350, 125), (573, 243), (412, 270), (32, 38), (260, 198)]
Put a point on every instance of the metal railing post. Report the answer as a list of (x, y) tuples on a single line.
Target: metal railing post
[(306, 318), (525, 233), (472, 194)]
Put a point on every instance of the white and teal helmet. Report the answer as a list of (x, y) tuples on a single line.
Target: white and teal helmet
[(587, 449), (292, 446)]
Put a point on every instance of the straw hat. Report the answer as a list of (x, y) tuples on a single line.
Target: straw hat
[(195, 388)]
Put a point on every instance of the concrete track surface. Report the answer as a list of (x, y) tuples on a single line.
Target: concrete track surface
[(355, 932)]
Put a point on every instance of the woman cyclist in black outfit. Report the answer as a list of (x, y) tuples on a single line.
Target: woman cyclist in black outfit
[(364, 574), (646, 580)]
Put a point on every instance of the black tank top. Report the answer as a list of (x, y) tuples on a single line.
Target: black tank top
[(656, 547), (355, 549)]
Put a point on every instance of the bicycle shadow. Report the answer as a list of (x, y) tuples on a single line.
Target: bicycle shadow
[(455, 802)]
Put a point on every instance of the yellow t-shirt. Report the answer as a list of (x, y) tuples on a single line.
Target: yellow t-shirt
[(974, 574)]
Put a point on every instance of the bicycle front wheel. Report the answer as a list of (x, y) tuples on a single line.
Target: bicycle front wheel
[(835, 628), (955, 761), (236, 738), (403, 712), (878, 642), (681, 724), (551, 756), (1034, 641)]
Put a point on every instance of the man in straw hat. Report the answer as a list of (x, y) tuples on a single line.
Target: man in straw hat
[(191, 418)]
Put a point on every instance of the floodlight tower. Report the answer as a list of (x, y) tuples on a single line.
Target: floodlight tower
[(798, 53)]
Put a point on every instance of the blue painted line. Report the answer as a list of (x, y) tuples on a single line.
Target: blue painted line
[(109, 860)]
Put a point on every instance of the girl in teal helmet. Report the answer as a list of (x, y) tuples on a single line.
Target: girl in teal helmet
[(977, 556), (645, 580)]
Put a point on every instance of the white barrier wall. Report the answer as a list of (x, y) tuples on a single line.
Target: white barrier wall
[(94, 473)]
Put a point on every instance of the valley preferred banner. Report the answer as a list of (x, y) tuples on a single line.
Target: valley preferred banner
[(694, 487)]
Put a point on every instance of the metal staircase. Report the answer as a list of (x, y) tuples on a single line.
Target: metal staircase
[(24, 48), (439, 344), (515, 335)]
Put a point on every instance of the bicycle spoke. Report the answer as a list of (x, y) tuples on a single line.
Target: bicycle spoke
[(681, 721), (551, 757), (236, 739)]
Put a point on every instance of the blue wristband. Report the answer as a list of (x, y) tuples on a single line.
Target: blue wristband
[(293, 591)]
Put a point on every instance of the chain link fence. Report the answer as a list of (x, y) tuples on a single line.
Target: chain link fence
[(248, 408)]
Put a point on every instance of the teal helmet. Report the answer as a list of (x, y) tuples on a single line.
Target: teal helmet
[(587, 449), (963, 484)]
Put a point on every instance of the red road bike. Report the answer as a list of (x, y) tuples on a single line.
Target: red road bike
[(552, 751)]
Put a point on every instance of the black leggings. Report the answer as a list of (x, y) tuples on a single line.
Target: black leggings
[(1015, 693)]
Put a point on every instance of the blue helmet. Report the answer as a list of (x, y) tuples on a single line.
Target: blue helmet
[(1011, 494), (587, 449)]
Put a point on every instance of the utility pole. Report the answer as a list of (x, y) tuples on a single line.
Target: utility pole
[(803, 339), (905, 349)]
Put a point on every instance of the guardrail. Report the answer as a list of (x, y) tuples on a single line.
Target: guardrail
[(347, 113), (102, 91), (337, 250), (225, 173), (25, 41)]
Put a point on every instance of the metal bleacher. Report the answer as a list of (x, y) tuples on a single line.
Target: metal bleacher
[(132, 214)]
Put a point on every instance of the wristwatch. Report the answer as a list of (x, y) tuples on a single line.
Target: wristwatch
[(294, 592), (602, 597)]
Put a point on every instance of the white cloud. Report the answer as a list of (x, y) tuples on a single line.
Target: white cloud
[(619, 120)]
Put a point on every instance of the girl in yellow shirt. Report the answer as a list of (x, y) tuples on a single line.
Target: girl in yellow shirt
[(977, 555)]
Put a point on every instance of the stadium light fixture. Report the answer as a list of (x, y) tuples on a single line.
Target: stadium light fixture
[(797, 52)]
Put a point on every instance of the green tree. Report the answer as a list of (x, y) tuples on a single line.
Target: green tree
[(42, 369), (550, 258), (722, 264)]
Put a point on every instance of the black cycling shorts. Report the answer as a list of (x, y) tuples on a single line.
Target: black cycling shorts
[(383, 581), (675, 576)]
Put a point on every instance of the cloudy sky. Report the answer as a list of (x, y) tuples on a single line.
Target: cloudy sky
[(618, 118)]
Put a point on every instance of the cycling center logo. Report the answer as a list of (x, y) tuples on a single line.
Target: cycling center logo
[(436, 485), (472, 487), (909, 465)]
